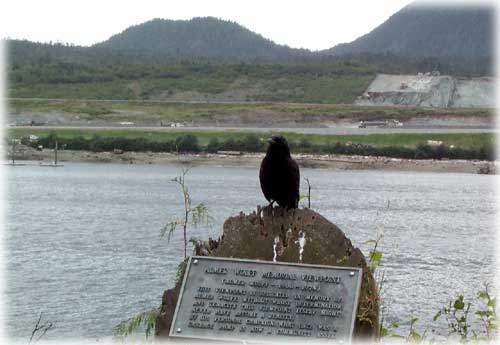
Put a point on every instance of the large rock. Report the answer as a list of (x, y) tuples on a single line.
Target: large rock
[(253, 236)]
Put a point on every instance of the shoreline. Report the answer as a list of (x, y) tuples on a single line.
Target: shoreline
[(335, 162)]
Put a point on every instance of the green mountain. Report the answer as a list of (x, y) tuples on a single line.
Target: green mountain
[(429, 31), (211, 59), (199, 37)]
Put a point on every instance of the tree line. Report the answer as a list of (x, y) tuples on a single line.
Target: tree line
[(189, 143)]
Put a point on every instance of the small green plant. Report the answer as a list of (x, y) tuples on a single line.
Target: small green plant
[(457, 312), (195, 216), (308, 196), (129, 326), (413, 335), (379, 276), (457, 317), (388, 331), (308, 192), (488, 315), (181, 269), (375, 254)]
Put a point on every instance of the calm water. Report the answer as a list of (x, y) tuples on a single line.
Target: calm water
[(83, 240)]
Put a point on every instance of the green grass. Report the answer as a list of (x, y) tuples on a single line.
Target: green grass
[(308, 81), (95, 90), (288, 88), (463, 140), (131, 110), (314, 90)]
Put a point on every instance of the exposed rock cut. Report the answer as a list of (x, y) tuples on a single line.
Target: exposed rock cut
[(429, 91)]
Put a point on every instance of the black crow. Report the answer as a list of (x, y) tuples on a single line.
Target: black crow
[(279, 174)]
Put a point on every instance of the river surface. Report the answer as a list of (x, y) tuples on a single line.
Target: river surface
[(83, 242)]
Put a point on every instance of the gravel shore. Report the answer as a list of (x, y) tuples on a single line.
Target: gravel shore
[(253, 160)]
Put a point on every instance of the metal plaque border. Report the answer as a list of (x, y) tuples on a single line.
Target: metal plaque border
[(173, 334)]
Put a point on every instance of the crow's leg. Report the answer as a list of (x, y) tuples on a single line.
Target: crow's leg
[(269, 209), (270, 206)]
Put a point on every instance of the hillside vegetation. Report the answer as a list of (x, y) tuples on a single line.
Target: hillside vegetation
[(202, 37), (71, 76), (423, 30), (208, 59)]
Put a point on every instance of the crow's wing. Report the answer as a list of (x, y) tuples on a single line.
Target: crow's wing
[(265, 178)]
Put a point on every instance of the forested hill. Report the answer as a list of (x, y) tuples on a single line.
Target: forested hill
[(438, 31), (212, 59), (201, 37)]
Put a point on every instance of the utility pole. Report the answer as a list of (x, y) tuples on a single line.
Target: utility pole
[(55, 154), (13, 151)]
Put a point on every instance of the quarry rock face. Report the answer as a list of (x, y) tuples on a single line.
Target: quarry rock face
[(474, 93), (429, 91), (296, 236)]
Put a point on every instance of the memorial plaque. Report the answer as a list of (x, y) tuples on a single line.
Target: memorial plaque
[(234, 299)]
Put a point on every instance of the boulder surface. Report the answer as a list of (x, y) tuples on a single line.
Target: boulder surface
[(274, 233)]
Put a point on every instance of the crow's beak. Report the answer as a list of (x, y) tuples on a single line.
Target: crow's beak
[(270, 141)]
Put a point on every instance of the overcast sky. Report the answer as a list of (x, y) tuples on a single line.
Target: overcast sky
[(308, 24), (312, 24)]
